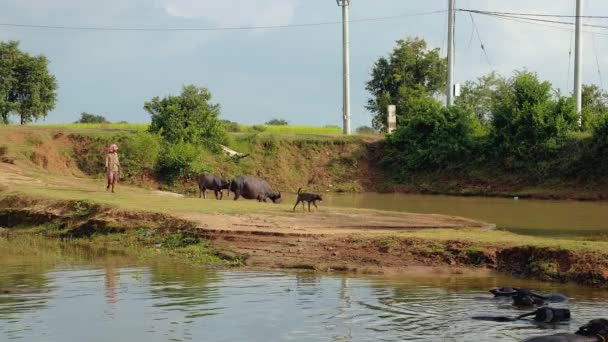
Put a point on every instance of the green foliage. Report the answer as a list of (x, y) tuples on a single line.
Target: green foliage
[(92, 118), (140, 153), (258, 128), (180, 160), (411, 69), (187, 118), (27, 88), (595, 105), (528, 119), (231, 126), (478, 96), (179, 240), (365, 130), (431, 137), (277, 122)]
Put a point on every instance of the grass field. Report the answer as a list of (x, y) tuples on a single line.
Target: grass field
[(287, 129)]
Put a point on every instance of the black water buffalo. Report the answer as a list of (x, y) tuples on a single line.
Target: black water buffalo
[(594, 331), (250, 187), (212, 182), (525, 297)]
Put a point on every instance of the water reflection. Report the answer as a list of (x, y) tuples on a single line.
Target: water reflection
[(114, 299)]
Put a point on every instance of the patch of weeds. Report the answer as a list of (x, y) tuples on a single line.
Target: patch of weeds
[(543, 268), (476, 256), (384, 245), (83, 209), (33, 140), (179, 240)]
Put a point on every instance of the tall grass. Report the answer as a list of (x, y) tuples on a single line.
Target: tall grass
[(288, 129)]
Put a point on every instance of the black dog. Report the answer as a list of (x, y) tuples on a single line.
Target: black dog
[(307, 197)]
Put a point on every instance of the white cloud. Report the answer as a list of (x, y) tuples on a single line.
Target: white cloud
[(234, 12)]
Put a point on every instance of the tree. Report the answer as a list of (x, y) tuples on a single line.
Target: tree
[(528, 117), (277, 122), (366, 130), (594, 103), (410, 69), (477, 96), (27, 88), (431, 137), (189, 118), (91, 118), (140, 153)]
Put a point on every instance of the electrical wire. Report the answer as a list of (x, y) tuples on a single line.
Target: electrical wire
[(230, 28), (483, 48), (533, 14), (597, 61)]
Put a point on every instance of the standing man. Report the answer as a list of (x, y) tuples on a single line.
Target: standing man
[(112, 166)]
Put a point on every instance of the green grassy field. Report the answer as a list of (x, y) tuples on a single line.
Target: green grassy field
[(287, 129)]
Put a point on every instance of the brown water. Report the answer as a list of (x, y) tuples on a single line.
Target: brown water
[(67, 294), (533, 217)]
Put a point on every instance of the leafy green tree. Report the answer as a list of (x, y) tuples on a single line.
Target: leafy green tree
[(27, 88), (431, 137), (189, 117), (528, 117), (411, 69), (366, 130), (478, 96), (140, 153), (91, 118), (595, 105), (277, 122)]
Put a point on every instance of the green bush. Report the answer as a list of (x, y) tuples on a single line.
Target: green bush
[(527, 119), (431, 137), (180, 160), (189, 117), (277, 122), (139, 154)]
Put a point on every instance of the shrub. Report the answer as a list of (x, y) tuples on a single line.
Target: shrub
[(231, 126), (140, 153), (431, 137), (277, 122), (528, 119), (180, 160), (92, 118)]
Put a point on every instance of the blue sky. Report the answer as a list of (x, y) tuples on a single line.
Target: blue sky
[(290, 73)]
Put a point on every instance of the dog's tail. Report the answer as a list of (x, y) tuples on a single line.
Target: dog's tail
[(299, 190)]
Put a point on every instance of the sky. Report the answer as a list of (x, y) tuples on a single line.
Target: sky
[(290, 73)]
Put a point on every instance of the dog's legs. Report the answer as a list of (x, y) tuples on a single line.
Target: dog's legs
[(308, 206), (295, 206), (303, 206), (315, 204)]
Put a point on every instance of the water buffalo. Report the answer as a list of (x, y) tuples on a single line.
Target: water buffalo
[(594, 331), (212, 182), (525, 297), (250, 187)]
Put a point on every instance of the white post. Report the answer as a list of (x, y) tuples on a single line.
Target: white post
[(578, 61), (346, 66), (451, 53)]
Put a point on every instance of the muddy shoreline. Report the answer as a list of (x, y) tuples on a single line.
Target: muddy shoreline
[(359, 252)]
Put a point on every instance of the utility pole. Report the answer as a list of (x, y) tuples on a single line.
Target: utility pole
[(451, 53), (578, 61), (345, 4)]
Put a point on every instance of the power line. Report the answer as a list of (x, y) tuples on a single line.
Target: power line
[(534, 14), (532, 21), (228, 28), (597, 61), (512, 16), (483, 48)]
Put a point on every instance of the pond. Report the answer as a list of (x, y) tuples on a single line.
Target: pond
[(72, 294), (533, 217)]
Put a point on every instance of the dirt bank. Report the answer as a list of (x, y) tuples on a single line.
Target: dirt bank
[(260, 242)]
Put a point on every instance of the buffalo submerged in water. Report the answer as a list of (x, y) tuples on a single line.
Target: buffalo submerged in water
[(250, 187)]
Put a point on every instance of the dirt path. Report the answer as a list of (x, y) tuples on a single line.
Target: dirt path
[(329, 221)]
